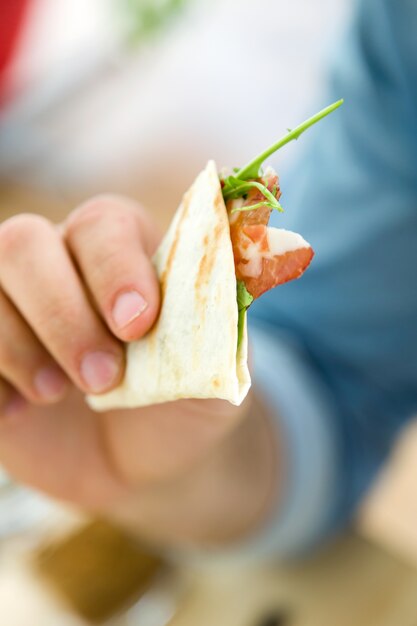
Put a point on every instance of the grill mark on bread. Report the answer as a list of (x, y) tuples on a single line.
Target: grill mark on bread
[(173, 249), (219, 205), (205, 268), (207, 261), (152, 335), (209, 248), (215, 382)]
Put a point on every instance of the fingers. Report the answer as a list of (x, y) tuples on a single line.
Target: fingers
[(37, 275), (110, 240), (51, 331), (24, 362)]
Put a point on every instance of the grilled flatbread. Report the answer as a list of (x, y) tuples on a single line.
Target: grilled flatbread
[(192, 350)]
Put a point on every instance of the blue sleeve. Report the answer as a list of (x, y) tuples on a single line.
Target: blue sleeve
[(337, 350)]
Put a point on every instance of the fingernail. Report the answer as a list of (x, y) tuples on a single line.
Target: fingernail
[(99, 370), (128, 306), (50, 382), (15, 405)]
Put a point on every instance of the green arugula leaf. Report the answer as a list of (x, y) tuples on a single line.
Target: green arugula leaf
[(237, 189), (251, 169), (238, 184), (230, 183), (244, 300), (253, 207)]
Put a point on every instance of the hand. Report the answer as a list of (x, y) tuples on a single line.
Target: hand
[(69, 296)]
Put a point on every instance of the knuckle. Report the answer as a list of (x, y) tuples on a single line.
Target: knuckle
[(58, 314), (17, 232), (91, 211), (122, 212), (87, 213)]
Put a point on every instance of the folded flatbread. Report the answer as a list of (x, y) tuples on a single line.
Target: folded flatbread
[(192, 350)]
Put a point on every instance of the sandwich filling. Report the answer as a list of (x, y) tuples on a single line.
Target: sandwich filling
[(264, 256)]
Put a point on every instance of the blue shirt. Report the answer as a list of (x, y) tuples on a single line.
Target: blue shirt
[(336, 352)]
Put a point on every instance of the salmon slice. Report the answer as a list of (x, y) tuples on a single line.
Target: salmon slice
[(264, 257)]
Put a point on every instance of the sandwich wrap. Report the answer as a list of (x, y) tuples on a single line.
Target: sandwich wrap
[(192, 350), (217, 257)]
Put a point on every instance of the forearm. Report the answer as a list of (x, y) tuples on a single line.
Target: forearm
[(225, 498)]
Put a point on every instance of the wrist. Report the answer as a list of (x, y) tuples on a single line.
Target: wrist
[(222, 499)]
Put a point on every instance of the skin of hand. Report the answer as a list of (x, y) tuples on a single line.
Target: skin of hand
[(188, 472)]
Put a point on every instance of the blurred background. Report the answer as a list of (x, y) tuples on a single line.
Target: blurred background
[(105, 93), (133, 96)]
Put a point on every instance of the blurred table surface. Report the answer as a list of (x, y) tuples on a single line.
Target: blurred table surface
[(349, 582)]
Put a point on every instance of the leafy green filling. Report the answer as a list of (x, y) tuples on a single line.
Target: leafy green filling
[(235, 188), (244, 300)]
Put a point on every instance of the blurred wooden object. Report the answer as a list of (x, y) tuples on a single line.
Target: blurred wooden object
[(389, 514), (97, 569)]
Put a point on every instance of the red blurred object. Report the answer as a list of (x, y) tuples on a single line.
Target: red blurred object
[(12, 15)]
